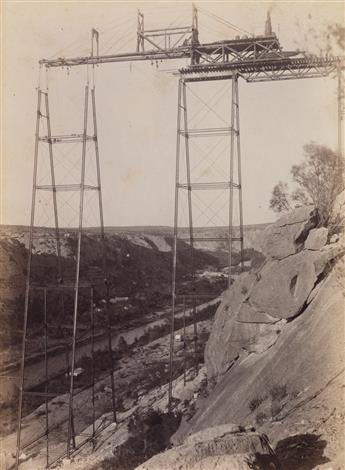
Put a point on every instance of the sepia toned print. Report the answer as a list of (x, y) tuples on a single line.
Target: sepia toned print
[(171, 243)]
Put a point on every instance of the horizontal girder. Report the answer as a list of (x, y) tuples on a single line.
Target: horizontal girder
[(255, 59), (67, 187), (216, 52), (266, 70)]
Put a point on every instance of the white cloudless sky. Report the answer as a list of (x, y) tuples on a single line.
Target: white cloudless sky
[(136, 102)]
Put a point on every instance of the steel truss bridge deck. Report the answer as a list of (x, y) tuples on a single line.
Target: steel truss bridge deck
[(266, 70), (254, 59), (223, 51)]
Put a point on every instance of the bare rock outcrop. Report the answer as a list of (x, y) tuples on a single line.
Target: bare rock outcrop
[(221, 447), (306, 358), (317, 238), (275, 357), (226, 462), (284, 285), (254, 311), (220, 352), (286, 236)]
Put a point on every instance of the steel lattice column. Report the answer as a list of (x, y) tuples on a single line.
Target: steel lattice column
[(235, 152), (44, 290), (234, 161)]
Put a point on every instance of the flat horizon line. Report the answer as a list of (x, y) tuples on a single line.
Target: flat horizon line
[(131, 227)]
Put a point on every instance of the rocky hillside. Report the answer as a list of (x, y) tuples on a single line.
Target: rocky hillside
[(139, 260), (150, 237), (275, 358), (139, 267)]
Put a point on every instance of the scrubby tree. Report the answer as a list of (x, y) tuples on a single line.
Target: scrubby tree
[(318, 179), (328, 40), (336, 32), (279, 201)]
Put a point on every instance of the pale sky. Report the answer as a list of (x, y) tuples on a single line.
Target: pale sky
[(136, 103)]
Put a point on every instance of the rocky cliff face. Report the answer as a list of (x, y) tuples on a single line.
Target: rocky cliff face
[(261, 305), (275, 357)]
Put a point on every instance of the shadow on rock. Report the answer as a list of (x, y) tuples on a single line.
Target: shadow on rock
[(301, 452), (264, 462)]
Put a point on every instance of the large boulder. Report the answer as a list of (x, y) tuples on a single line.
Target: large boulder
[(317, 238), (221, 447), (287, 235), (238, 338), (285, 285)]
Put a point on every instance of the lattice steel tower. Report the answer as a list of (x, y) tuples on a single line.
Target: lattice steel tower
[(56, 301), (199, 172)]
